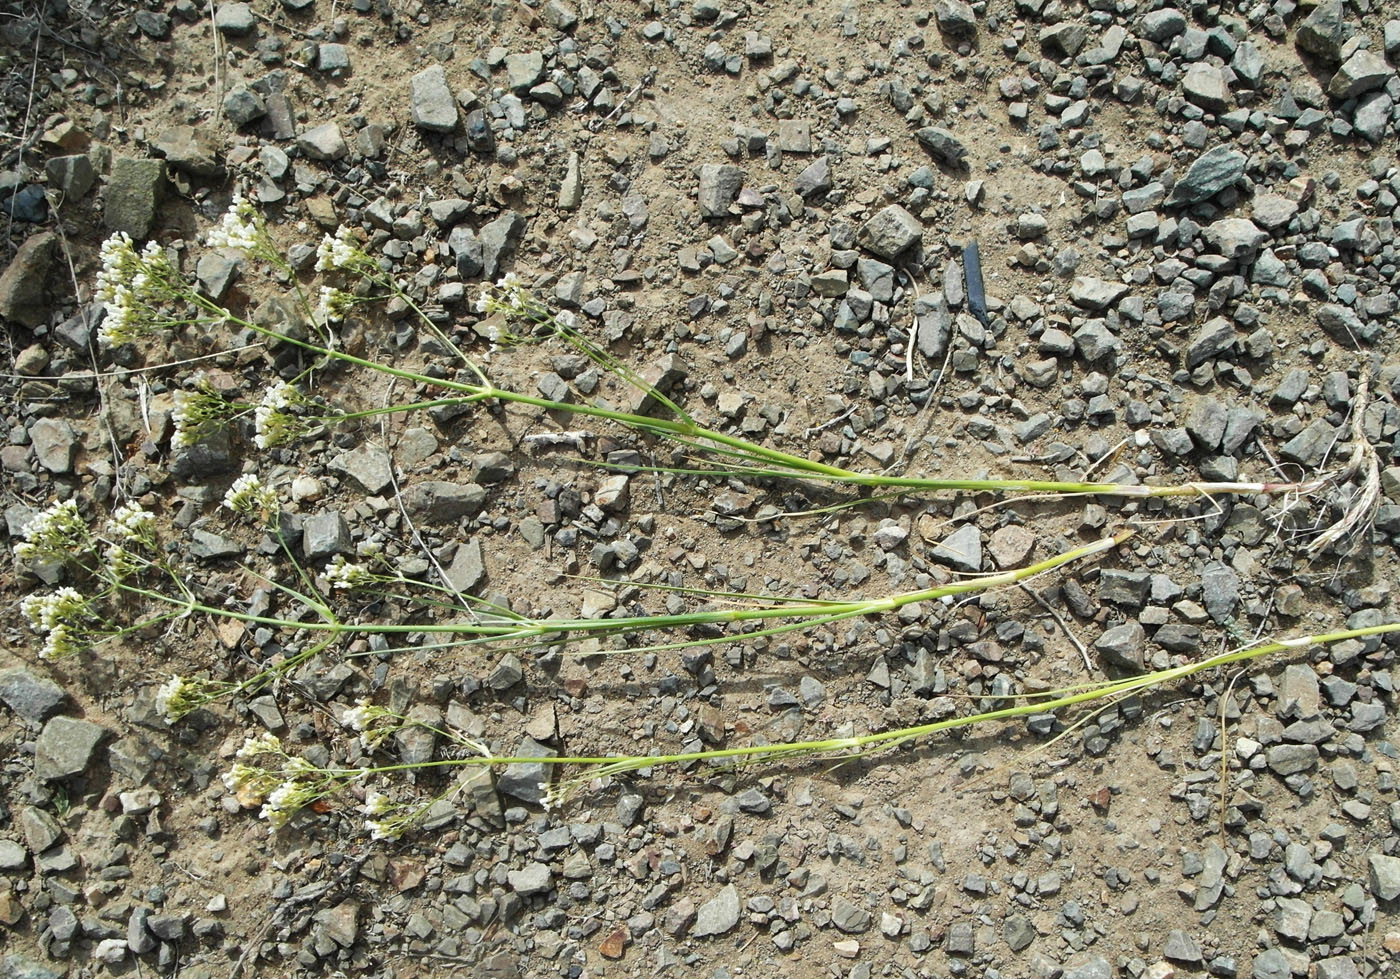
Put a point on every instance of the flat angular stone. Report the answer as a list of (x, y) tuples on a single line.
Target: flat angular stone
[(961, 550), (368, 465), (22, 283), (946, 148), (323, 142), (1362, 72), (717, 915), (1323, 31), (1205, 86), (32, 697), (193, 151), (890, 232), (134, 193), (433, 106), (434, 501), (1214, 337), (1211, 173), (65, 747), (1096, 294)]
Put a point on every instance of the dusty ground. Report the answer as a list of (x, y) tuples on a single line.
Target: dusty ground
[(1104, 851)]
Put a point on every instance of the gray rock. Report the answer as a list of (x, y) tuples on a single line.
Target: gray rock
[(1343, 323), (1248, 64), (418, 742), (1372, 115), (234, 19), (526, 781), (1213, 338), (1291, 759), (717, 915), (1093, 968), (1220, 590), (1237, 239), (1123, 646), (193, 151), (323, 142), (22, 283), (1362, 72), (323, 535), (508, 673), (533, 878), (435, 502), (55, 444), (943, 146), (849, 918), (206, 546), (1323, 31), (468, 569), (134, 193), (1270, 270), (1310, 446), (480, 137), (1271, 964), (215, 274), (815, 178), (961, 550), (138, 938), (369, 465), (559, 15), (1095, 294), (524, 70), (242, 105), (1211, 173), (72, 175), (34, 698), (1383, 876), (334, 59), (955, 17), (1066, 38), (1096, 342), (890, 232), (571, 190), (40, 829), (1337, 967), (1126, 588), (1206, 423), (340, 924), (65, 747), (1162, 25), (1291, 919), (1205, 86), (719, 186), (210, 456), (16, 966), (1018, 932), (432, 104), (498, 239), (12, 856)]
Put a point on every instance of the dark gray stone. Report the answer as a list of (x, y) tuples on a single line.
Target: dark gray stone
[(961, 550), (849, 918), (1123, 646), (1211, 173), (1323, 32), (434, 501), (34, 698), (65, 747), (943, 146), (22, 283), (242, 105), (890, 232), (369, 465), (323, 535), (719, 186), (433, 106), (324, 142), (526, 781), (498, 240), (134, 194), (1214, 337), (194, 151), (72, 175)]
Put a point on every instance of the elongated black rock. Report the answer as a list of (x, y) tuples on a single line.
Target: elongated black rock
[(976, 292)]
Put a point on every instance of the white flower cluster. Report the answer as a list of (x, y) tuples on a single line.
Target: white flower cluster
[(56, 532), (131, 523), (291, 794), (271, 425), (128, 284), (197, 411), (57, 617), (240, 229), (249, 495), (180, 696), (339, 252), (334, 304), (509, 296), (341, 573), (363, 718)]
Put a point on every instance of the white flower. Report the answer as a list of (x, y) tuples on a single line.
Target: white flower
[(240, 775), (334, 304), (357, 718), (171, 691), (338, 252), (271, 425), (266, 743), (128, 285), (249, 495), (131, 523), (60, 642), (509, 296), (57, 617), (283, 803), (120, 562), (376, 803), (240, 229), (57, 532), (341, 573), (384, 829)]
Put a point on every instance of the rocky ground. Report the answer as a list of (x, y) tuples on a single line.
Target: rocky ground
[(1186, 223)]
